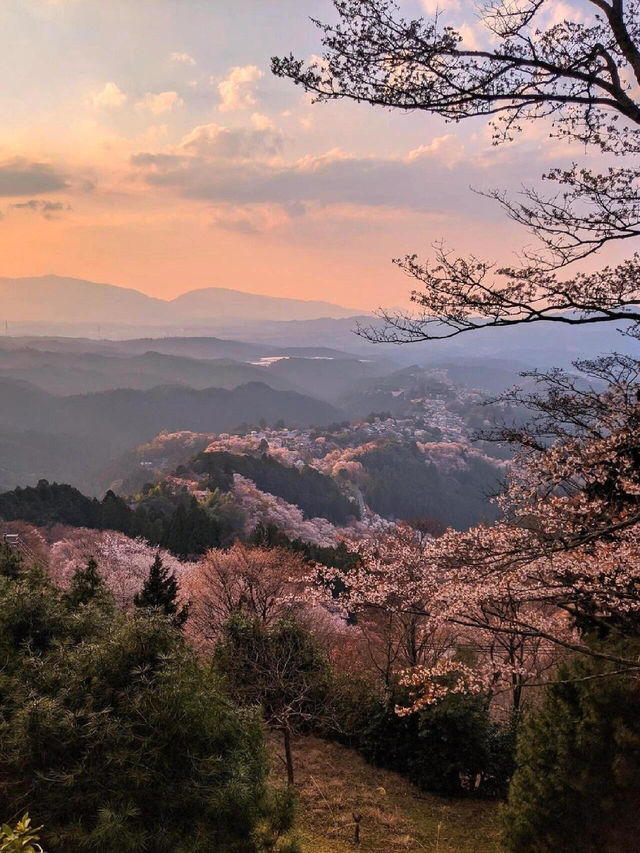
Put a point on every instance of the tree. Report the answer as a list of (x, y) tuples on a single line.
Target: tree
[(255, 581), (86, 585), (282, 669), (577, 783), (124, 562), (425, 628), (10, 561), (160, 592), (119, 737), (581, 75)]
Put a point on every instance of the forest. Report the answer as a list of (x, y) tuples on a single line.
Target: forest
[(401, 612)]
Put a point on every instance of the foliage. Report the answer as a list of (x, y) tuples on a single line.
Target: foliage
[(123, 563), (22, 838), (271, 536), (160, 591), (402, 484), (262, 509), (452, 748), (10, 561), (255, 581), (86, 585), (315, 494), (115, 732), (50, 503), (279, 667), (577, 783), (182, 525)]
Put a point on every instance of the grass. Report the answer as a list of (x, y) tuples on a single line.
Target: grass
[(333, 783)]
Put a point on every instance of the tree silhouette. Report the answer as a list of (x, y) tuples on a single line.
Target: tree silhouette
[(86, 585), (580, 75), (160, 591)]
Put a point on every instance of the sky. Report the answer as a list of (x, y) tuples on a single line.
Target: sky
[(145, 143)]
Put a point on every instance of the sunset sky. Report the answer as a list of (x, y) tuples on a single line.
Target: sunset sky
[(146, 144)]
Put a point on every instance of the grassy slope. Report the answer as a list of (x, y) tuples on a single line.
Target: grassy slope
[(333, 782)]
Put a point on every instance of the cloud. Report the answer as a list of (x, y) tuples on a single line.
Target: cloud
[(420, 181), (46, 208), (237, 89), (213, 141), (183, 58), (432, 7), (110, 96), (160, 102), (22, 177), (262, 122)]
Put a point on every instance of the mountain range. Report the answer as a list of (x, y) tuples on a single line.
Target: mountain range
[(69, 307), (50, 301), (74, 437)]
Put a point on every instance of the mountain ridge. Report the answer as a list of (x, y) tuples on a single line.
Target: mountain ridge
[(57, 299)]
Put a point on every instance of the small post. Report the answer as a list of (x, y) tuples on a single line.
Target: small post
[(357, 818)]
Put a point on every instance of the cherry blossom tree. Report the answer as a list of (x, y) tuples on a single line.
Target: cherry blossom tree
[(396, 596), (560, 567), (258, 581), (122, 562)]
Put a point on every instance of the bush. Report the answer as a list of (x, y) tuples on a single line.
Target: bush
[(116, 735), (452, 748), (577, 783)]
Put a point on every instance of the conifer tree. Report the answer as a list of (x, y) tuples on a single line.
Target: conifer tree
[(87, 585), (160, 591), (10, 562)]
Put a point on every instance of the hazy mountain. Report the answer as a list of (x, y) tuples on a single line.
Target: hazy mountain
[(46, 303), (68, 373), (216, 302), (541, 344), (130, 417), (189, 347), (329, 378), (73, 438), (53, 299)]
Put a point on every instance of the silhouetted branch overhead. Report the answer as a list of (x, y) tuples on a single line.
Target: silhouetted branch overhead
[(462, 294), (582, 75)]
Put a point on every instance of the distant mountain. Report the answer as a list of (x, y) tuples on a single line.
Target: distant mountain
[(329, 378), (130, 417), (45, 436), (216, 302), (539, 344), (52, 299), (198, 347), (67, 373), (50, 303)]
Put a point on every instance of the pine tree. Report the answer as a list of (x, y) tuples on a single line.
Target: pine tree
[(10, 562), (577, 782), (160, 591), (87, 585)]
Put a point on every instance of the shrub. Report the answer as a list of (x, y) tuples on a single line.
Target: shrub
[(22, 838), (452, 748), (577, 783)]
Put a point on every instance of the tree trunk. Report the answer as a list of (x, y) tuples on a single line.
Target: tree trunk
[(286, 733)]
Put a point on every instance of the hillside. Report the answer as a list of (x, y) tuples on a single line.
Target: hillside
[(67, 373), (334, 782), (84, 432)]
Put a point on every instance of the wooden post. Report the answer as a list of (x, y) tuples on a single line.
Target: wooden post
[(357, 818)]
